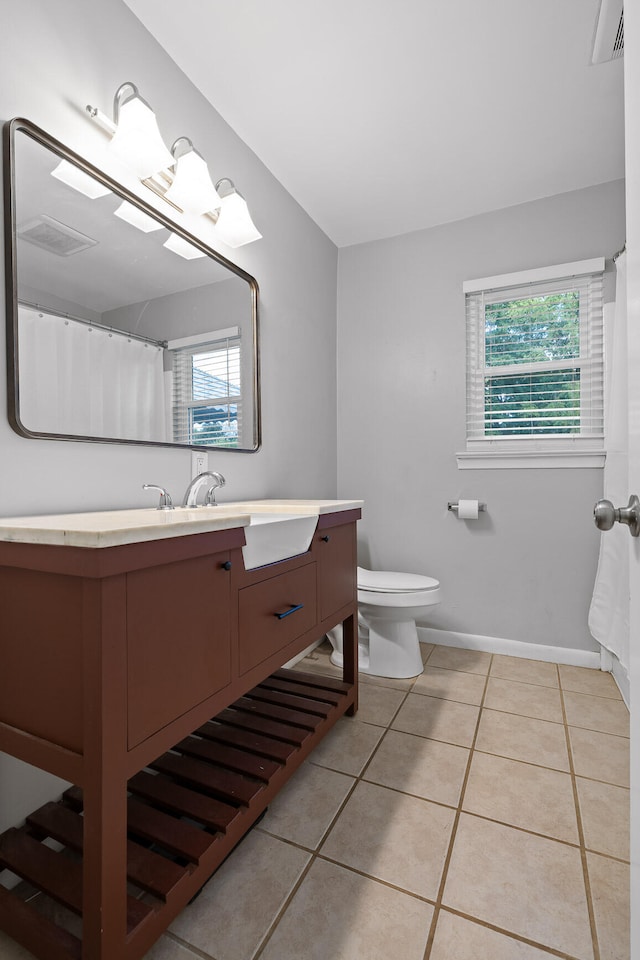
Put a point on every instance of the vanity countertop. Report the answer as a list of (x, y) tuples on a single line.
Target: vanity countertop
[(110, 528)]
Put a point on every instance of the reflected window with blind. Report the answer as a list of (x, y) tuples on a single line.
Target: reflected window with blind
[(535, 363), (207, 389)]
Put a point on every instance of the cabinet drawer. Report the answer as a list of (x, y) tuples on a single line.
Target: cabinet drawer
[(266, 624)]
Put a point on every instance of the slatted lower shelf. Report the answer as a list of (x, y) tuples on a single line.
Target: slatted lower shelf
[(186, 812)]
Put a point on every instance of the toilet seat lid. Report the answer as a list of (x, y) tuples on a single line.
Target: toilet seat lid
[(384, 581)]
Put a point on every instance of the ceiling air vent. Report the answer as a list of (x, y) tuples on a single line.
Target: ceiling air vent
[(53, 236), (608, 43)]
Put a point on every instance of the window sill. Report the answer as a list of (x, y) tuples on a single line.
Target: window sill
[(530, 459)]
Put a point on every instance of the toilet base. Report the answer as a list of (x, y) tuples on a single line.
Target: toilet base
[(386, 649)]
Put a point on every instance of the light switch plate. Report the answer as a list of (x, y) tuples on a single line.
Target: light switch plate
[(199, 462)]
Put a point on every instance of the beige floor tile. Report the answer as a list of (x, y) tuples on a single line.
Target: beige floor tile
[(237, 906), (392, 837), (527, 671), (166, 949), (526, 699), (584, 680), (306, 805), (523, 738), (610, 892), (426, 768), (318, 662), (522, 795), (450, 685), (600, 756), (348, 746), (378, 705), (597, 713), (604, 809), (338, 915), (426, 649), (437, 719), (458, 939), (524, 884), (456, 658)]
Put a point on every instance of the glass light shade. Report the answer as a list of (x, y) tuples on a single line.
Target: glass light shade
[(192, 189), (126, 211), (184, 249), (137, 140), (75, 177), (234, 224)]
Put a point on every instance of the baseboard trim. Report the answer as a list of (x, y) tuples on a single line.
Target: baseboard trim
[(512, 648)]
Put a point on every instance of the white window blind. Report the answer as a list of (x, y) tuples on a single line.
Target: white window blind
[(535, 365), (207, 393)]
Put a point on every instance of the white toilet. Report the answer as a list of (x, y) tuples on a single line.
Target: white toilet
[(388, 606)]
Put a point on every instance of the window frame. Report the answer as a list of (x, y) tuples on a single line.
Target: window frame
[(561, 450), (182, 403)]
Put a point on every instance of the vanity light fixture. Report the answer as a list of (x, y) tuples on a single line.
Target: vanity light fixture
[(192, 189), (137, 140), (179, 176), (184, 249), (79, 180), (134, 216), (234, 224)]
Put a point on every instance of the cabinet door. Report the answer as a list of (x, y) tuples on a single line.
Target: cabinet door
[(178, 640), (336, 567)]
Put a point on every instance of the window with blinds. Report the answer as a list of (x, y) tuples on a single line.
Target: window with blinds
[(535, 364), (207, 393)]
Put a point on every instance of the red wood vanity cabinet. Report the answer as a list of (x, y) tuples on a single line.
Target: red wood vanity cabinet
[(149, 676)]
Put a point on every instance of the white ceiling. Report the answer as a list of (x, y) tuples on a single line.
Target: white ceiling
[(385, 116)]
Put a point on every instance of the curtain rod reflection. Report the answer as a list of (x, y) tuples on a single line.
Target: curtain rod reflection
[(91, 323)]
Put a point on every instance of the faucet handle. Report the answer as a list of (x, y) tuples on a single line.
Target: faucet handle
[(166, 503), (210, 498)]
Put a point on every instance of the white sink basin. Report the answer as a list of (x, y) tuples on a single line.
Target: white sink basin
[(276, 536)]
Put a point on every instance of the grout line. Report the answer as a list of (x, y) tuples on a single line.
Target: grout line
[(583, 854), (456, 821), (552, 951)]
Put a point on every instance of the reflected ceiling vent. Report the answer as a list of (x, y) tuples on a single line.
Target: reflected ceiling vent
[(53, 236), (608, 43)]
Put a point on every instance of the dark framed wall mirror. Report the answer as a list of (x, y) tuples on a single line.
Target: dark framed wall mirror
[(122, 327)]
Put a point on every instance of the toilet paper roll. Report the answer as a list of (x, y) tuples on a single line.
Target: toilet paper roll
[(468, 509)]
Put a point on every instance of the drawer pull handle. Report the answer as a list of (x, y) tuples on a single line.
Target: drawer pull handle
[(226, 565), (292, 609), (326, 538)]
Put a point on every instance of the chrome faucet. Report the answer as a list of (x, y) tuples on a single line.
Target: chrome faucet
[(191, 496)]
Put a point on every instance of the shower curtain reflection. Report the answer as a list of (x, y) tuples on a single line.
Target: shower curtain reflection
[(82, 380)]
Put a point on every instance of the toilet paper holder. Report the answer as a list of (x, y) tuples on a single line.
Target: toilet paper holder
[(454, 506)]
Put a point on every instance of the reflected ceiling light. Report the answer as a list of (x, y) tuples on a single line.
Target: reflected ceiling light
[(192, 189), (182, 247), (127, 211), (137, 140), (75, 177), (234, 224)]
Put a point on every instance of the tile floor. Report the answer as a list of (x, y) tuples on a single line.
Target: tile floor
[(479, 812)]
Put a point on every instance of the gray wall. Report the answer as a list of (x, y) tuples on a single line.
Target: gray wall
[(54, 59), (524, 571)]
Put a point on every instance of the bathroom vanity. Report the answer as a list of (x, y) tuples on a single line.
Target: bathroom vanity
[(142, 663)]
